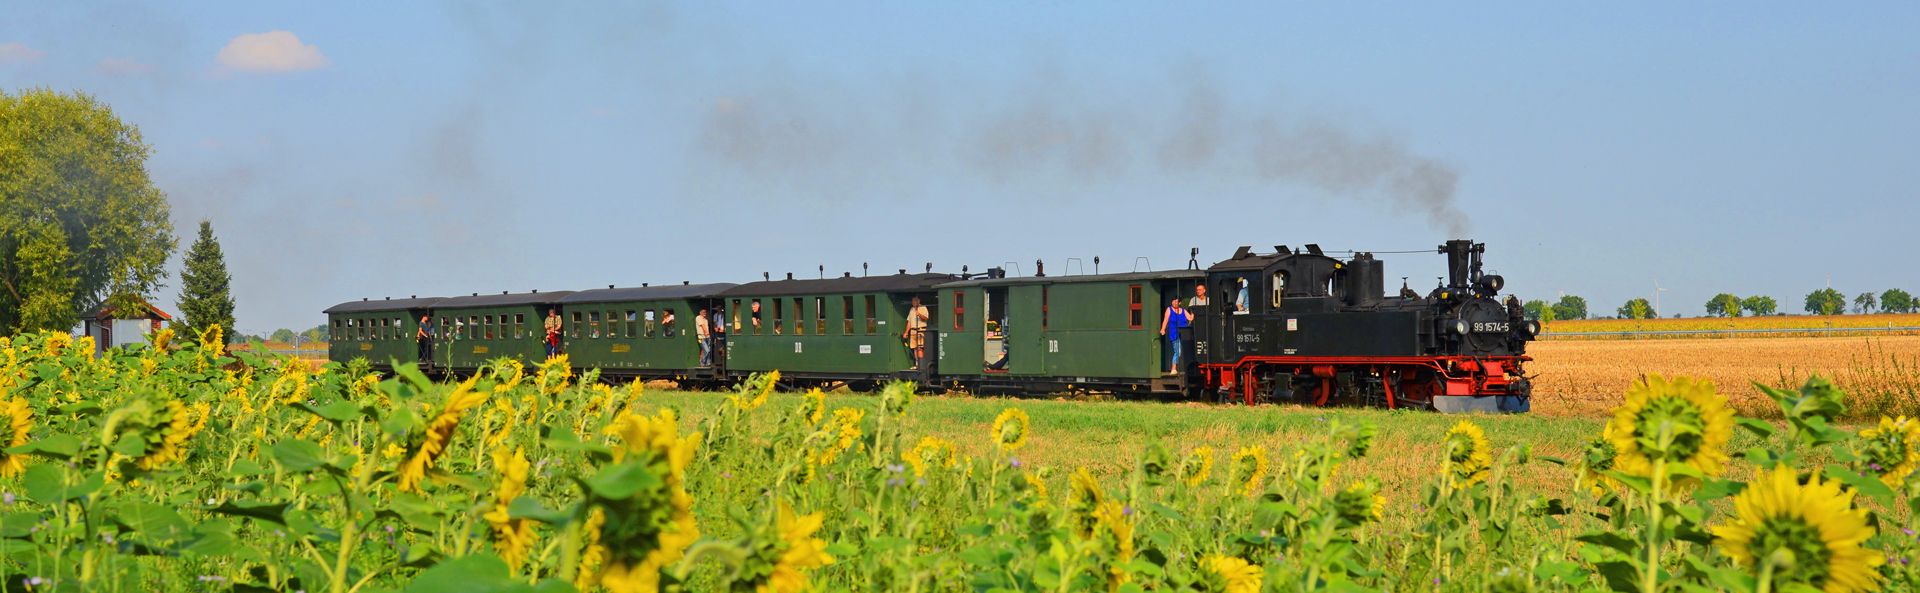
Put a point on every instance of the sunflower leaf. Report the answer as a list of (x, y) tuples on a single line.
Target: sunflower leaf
[(1759, 428), (1865, 484)]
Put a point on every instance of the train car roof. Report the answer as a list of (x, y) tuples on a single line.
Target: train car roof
[(890, 283), (367, 305), (1121, 277), (648, 293), (503, 299), (1260, 261)]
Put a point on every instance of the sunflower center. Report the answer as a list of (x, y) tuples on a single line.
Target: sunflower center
[(1790, 534), (1670, 428)]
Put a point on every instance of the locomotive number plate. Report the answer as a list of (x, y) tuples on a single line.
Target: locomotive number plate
[(1492, 327)]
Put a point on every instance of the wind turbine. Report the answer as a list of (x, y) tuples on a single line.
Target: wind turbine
[(1656, 296)]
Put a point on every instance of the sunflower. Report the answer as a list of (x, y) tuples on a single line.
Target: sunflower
[(1892, 449), (1468, 455), (1679, 421), (1595, 464), (554, 375), (1197, 467), (211, 342), (846, 422), (1250, 469), (1809, 533), (592, 552), (1083, 499), (512, 538), (1116, 521), (509, 420), (652, 527), (439, 434), (813, 406), (291, 386), (1359, 503), (1229, 574), (19, 418), (182, 422), (931, 452), (56, 341), (769, 380), (800, 551), (1010, 429), (160, 340)]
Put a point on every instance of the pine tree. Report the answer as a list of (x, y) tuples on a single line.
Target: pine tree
[(205, 299)]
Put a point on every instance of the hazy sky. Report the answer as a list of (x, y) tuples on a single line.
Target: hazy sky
[(396, 148)]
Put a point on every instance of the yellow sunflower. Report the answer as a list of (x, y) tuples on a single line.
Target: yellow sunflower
[(771, 379), (512, 538), (1197, 467), (554, 375), (1250, 469), (211, 342), (1892, 449), (1084, 497), (652, 529), (931, 452), (1010, 429), (813, 406), (801, 552), (439, 434), (1593, 466), (1809, 533), (1468, 455), (1228, 574), (182, 422), (1680, 421), (19, 418), (1359, 503)]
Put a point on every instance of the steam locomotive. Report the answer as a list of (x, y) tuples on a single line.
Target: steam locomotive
[(1289, 326)]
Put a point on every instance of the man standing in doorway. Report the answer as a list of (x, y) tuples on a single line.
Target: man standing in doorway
[(552, 326), (423, 337), (916, 334), (702, 331)]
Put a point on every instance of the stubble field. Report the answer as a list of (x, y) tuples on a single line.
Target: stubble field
[(1585, 377)]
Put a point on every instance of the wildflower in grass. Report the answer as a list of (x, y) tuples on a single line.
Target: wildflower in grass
[(439, 434), (512, 538), (1229, 574), (1250, 469), (554, 375), (1679, 421), (181, 423), (1892, 449), (1468, 455), (19, 417), (1801, 534), (931, 452), (1197, 466), (1010, 429), (813, 406), (1359, 503)]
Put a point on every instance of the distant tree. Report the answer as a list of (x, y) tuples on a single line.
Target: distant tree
[(1759, 305), (1570, 307), (1864, 303), (317, 333), (80, 220), (1723, 305), (1826, 301), (205, 295), (282, 335), (1895, 300), (1536, 308), (1638, 309)]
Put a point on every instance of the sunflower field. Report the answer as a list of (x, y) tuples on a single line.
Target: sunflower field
[(180, 466)]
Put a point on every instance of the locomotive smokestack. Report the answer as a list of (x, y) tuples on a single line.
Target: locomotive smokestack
[(1459, 263)]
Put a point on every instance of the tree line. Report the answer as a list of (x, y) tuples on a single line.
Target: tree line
[(1825, 301)]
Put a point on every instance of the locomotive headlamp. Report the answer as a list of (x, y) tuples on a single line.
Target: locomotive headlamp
[(1460, 326), (1532, 328)]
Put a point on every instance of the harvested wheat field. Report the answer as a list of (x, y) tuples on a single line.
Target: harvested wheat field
[(1586, 377)]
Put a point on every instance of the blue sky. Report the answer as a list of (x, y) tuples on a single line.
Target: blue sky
[(386, 149)]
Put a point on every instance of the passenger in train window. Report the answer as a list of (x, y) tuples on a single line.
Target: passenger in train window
[(1199, 296)]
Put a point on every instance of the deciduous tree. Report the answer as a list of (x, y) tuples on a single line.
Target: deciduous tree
[(1759, 305), (1895, 300), (1570, 307), (80, 221), (1864, 303), (1638, 309), (1826, 301), (1724, 305)]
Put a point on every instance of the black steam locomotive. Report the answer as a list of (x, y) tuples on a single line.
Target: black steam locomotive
[(1310, 328)]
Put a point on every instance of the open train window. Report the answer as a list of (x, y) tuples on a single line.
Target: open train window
[(1134, 311), (633, 323), (873, 322), (1043, 307), (486, 327), (846, 310), (799, 317), (820, 316), (473, 327), (646, 323), (753, 316), (736, 314), (519, 326), (1279, 282), (959, 310), (779, 316), (573, 330)]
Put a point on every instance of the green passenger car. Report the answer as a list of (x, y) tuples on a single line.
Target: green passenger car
[(645, 332), (836, 328), (380, 331), (1099, 330), (472, 330)]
